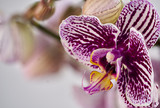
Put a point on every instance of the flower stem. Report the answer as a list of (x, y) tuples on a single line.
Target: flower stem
[(158, 43), (45, 30)]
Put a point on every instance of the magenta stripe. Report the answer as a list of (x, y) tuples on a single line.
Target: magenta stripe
[(143, 23), (149, 24), (149, 33), (129, 21), (140, 16)]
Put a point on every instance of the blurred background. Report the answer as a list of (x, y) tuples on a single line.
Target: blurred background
[(19, 89)]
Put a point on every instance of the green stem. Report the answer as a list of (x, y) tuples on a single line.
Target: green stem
[(158, 43), (45, 30)]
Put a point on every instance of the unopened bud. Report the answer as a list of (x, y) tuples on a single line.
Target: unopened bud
[(29, 14), (43, 10), (107, 11)]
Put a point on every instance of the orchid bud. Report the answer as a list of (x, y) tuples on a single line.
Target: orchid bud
[(29, 14), (107, 11), (44, 10), (23, 37)]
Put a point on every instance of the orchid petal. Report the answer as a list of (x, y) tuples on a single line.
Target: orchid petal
[(106, 10), (141, 15), (81, 35), (136, 78)]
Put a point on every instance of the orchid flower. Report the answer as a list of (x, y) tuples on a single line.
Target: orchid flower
[(117, 52)]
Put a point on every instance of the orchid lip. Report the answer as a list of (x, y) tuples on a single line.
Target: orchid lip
[(106, 60), (100, 81)]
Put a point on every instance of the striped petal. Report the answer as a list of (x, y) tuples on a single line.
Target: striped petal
[(80, 35), (141, 15), (136, 78)]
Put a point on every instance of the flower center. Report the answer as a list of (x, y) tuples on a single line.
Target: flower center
[(110, 57), (107, 62)]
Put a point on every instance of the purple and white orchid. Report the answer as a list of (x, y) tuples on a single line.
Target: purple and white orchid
[(117, 51)]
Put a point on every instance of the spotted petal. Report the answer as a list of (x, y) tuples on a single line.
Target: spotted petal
[(80, 35), (141, 15), (136, 78)]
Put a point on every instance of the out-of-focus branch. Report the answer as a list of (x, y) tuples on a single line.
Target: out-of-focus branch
[(40, 11), (45, 30)]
